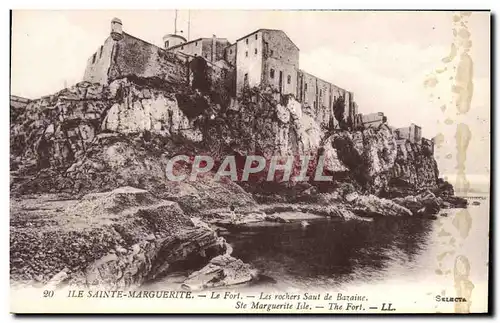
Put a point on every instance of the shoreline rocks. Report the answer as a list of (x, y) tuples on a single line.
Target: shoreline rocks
[(371, 205), (221, 271), (427, 203), (117, 239)]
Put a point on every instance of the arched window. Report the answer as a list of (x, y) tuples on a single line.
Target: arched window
[(289, 79), (271, 73)]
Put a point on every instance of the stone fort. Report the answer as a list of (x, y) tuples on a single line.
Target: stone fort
[(265, 58)]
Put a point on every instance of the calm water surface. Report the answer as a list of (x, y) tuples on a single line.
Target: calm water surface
[(330, 254)]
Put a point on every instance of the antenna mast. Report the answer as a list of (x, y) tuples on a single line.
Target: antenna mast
[(189, 24), (175, 23)]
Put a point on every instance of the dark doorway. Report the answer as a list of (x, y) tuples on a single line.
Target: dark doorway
[(245, 81)]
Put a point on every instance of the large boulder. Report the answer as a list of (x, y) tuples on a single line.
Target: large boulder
[(222, 271)]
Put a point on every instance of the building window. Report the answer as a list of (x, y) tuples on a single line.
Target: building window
[(230, 51), (272, 52), (196, 44), (93, 58), (246, 40), (246, 54), (289, 79), (320, 92), (100, 52), (256, 36), (256, 51), (305, 88), (166, 44), (182, 47), (271, 74)]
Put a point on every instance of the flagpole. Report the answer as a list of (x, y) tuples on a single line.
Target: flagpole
[(175, 23)]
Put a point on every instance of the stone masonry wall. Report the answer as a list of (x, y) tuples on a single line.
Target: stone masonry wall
[(132, 56), (98, 64), (281, 56), (247, 62)]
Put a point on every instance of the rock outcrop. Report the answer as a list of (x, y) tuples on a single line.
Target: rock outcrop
[(106, 213), (154, 120), (222, 271), (427, 203), (94, 142), (370, 205), (57, 130), (117, 239)]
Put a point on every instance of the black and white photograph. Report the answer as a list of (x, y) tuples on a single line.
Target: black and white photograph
[(249, 161)]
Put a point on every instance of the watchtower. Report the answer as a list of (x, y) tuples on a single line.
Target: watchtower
[(116, 29)]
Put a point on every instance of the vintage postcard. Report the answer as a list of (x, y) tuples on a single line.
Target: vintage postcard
[(203, 161)]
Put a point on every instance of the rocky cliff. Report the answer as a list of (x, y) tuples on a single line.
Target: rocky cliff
[(92, 137), (119, 238), (86, 141)]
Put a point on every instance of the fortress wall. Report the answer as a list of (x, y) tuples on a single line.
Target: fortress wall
[(98, 64), (133, 56)]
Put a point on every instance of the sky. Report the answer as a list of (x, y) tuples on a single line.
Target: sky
[(382, 57)]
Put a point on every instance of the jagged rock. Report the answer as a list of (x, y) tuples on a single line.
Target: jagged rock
[(444, 188), (117, 160), (206, 193), (370, 205), (383, 166), (232, 219), (92, 137), (57, 280), (222, 271), (454, 202), (276, 218), (55, 129), (115, 239), (145, 109), (425, 203)]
